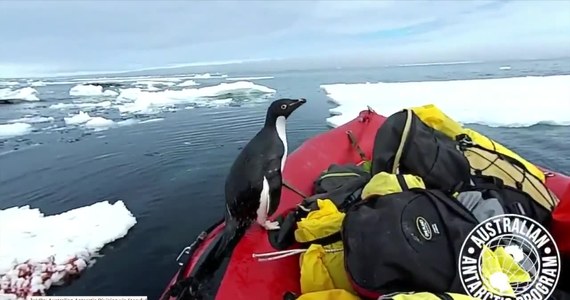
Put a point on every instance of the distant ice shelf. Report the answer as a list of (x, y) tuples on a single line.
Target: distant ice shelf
[(504, 102)]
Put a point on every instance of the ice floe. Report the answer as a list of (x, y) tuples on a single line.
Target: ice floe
[(23, 94), (207, 76), (80, 118), (39, 251), (509, 102), (99, 123), (102, 104), (14, 129), (153, 85), (188, 83), (32, 120), (91, 90), (37, 83), (249, 78), (8, 83), (138, 101)]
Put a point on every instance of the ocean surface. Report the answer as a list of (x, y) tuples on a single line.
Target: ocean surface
[(163, 148)]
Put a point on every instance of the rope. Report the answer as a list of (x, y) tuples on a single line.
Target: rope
[(294, 189), (355, 145), (269, 256)]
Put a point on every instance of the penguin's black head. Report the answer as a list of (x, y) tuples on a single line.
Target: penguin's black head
[(284, 107)]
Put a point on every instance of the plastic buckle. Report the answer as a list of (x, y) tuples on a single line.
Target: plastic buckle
[(465, 140)]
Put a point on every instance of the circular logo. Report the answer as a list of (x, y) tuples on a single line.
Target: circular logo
[(423, 228), (509, 256)]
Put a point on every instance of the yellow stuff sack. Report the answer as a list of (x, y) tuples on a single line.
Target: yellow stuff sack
[(426, 296), (336, 294), (436, 119), (322, 266), (385, 183)]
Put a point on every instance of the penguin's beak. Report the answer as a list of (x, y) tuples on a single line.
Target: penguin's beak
[(298, 102)]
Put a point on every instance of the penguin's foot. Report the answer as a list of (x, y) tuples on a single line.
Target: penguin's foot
[(268, 225)]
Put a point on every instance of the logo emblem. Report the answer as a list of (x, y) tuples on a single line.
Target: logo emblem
[(424, 228), (509, 256)]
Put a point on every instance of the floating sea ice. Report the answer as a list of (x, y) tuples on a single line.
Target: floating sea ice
[(188, 83), (99, 123), (90, 90), (136, 100), (14, 129), (23, 94), (38, 251), (80, 118), (32, 120)]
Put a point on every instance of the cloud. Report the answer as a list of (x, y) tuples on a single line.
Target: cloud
[(67, 36)]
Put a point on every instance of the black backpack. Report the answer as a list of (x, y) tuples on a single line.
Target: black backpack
[(341, 183), (405, 242), (405, 144)]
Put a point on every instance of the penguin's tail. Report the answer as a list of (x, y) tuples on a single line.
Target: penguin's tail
[(228, 238), (221, 246)]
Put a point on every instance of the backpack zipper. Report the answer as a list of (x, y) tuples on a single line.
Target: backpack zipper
[(338, 175)]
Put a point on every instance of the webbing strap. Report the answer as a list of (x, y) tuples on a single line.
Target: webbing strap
[(294, 189), (324, 241), (355, 145), (552, 201), (403, 139), (503, 157), (466, 143), (443, 296), (402, 182)]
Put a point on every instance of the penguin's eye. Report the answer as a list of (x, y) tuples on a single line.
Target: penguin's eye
[(283, 106)]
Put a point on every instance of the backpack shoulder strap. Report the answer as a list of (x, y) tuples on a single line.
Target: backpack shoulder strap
[(403, 139)]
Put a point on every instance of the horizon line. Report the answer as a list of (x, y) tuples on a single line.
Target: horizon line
[(243, 61)]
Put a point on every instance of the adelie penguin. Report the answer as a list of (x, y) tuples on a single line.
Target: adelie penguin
[(253, 185)]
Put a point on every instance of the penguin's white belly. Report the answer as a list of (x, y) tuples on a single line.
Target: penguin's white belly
[(264, 199), (263, 209), (282, 133)]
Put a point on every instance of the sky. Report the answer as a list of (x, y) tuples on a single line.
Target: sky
[(51, 37)]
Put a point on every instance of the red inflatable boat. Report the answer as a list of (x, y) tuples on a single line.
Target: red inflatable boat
[(246, 278)]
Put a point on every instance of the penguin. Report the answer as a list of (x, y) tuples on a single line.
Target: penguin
[(253, 185)]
